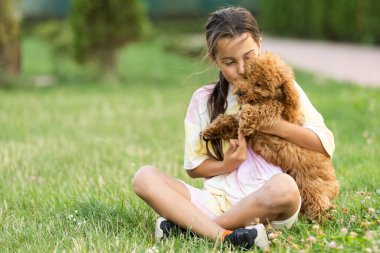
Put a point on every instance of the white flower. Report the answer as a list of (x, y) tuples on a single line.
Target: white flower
[(332, 245), (272, 235), (312, 239), (369, 234), (152, 250)]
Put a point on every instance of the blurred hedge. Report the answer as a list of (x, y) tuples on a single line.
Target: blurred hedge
[(169, 9), (341, 20)]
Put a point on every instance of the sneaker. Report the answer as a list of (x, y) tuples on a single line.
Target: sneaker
[(247, 237), (165, 228)]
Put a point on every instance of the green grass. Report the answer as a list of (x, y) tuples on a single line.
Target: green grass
[(68, 153)]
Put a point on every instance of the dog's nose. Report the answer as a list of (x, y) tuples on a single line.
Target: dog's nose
[(240, 93)]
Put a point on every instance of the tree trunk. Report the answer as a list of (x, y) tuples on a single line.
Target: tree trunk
[(108, 61), (14, 58), (10, 49)]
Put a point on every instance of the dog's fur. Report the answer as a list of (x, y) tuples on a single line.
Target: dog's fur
[(266, 94)]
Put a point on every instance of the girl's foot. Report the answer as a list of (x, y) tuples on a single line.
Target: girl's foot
[(246, 238), (164, 228)]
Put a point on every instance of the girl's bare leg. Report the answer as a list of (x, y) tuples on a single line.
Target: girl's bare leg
[(278, 199), (171, 199)]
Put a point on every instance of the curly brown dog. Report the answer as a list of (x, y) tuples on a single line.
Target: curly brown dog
[(266, 94)]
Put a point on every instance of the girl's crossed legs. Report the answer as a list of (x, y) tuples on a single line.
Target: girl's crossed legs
[(277, 200)]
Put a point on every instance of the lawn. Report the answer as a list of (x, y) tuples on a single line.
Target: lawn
[(68, 153)]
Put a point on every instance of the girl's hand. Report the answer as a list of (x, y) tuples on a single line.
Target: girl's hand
[(236, 153)]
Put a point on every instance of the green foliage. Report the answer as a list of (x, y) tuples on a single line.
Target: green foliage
[(58, 34), (349, 20), (102, 27)]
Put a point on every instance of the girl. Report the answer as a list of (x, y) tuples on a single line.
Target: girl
[(240, 188)]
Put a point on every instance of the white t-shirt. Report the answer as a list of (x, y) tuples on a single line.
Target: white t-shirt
[(254, 171)]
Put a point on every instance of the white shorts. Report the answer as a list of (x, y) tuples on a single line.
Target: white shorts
[(214, 206)]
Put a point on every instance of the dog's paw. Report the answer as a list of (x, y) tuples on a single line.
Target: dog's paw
[(246, 129), (248, 116), (207, 135)]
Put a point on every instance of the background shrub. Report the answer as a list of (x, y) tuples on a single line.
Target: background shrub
[(102, 27)]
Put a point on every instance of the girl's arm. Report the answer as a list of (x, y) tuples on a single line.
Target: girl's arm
[(313, 135), (208, 168), (233, 157), (301, 136)]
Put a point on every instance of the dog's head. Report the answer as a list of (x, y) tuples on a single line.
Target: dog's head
[(267, 78)]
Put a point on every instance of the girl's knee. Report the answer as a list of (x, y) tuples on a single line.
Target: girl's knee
[(281, 191), (143, 178), (286, 185)]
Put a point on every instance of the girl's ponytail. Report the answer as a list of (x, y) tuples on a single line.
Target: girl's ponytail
[(216, 105)]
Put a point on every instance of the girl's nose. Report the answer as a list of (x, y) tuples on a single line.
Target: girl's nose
[(241, 69)]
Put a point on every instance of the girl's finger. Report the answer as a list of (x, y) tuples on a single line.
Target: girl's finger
[(233, 143), (241, 141)]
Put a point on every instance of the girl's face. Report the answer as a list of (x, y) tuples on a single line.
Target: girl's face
[(231, 54)]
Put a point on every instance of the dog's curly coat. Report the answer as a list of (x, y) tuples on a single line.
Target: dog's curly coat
[(266, 94)]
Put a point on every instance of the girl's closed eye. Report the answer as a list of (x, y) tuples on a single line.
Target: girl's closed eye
[(249, 55)]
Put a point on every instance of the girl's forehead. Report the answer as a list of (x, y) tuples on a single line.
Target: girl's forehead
[(232, 47)]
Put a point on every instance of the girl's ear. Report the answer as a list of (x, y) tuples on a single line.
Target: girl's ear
[(260, 43)]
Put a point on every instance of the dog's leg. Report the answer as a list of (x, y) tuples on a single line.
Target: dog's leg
[(253, 117), (269, 114), (224, 127), (316, 207)]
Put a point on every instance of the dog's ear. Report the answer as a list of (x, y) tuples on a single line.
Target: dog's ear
[(288, 94), (285, 90)]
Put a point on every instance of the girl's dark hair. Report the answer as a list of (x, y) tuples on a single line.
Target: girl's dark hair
[(229, 22)]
